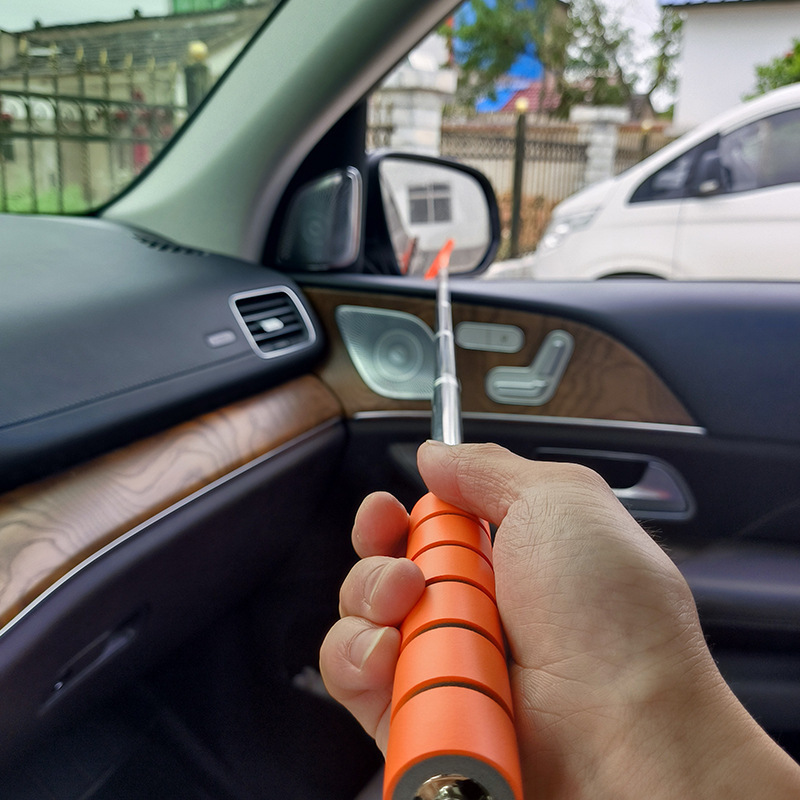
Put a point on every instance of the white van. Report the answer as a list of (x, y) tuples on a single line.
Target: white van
[(721, 202)]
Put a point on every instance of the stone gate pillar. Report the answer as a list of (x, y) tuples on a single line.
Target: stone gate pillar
[(410, 101), (599, 129)]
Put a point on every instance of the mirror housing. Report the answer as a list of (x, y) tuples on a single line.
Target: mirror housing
[(709, 179), (322, 229), (424, 202)]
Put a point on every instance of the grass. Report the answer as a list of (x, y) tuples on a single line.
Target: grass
[(47, 202)]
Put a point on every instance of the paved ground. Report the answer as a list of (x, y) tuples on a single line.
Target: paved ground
[(515, 268)]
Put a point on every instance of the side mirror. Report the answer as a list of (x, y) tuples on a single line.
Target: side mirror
[(709, 179), (417, 204)]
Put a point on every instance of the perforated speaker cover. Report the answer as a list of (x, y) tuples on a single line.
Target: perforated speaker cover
[(393, 352)]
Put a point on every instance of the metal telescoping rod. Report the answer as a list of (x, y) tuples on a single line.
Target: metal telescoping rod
[(446, 405), (452, 733)]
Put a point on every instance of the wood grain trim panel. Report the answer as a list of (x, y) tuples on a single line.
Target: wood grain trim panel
[(604, 380), (49, 527)]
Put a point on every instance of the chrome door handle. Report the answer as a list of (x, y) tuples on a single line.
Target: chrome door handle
[(659, 490)]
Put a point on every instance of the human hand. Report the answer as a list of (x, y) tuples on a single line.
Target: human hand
[(616, 694)]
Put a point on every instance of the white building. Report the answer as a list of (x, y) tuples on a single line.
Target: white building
[(723, 41)]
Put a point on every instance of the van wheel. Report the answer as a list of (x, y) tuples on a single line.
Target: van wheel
[(632, 276)]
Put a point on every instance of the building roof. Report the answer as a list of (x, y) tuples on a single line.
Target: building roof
[(679, 3), (538, 97)]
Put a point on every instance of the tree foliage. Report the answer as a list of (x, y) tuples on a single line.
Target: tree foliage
[(604, 67), (588, 49), (781, 71), (487, 39)]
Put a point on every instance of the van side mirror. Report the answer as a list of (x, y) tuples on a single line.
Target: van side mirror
[(709, 179)]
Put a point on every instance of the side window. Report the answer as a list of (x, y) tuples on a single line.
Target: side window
[(740, 154), (672, 180), (763, 153)]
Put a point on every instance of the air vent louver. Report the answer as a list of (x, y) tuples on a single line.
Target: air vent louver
[(165, 246), (274, 320)]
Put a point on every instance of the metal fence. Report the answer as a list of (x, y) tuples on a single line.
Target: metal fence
[(380, 126), (553, 165), (552, 168), (70, 139), (635, 143)]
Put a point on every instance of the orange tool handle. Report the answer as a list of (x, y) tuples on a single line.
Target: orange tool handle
[(452, 721)]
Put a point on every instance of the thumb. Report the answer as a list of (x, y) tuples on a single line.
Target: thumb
[(484, 479)]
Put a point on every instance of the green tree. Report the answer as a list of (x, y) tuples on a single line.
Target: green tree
[(587, 48), (781, 71), (486, 40), (603, 65)]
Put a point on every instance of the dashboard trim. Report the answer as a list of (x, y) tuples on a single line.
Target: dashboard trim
[(60, 524), (182, 503), (533, 420)]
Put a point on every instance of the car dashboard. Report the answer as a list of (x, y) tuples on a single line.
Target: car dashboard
[(184, 438)]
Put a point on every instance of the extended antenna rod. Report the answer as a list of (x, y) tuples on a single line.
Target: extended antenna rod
[(452, 734), (446, 406)]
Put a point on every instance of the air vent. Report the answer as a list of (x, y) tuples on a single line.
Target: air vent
[(165, 246), (274, 320)]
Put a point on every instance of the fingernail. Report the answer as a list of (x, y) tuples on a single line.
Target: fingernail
[(364, 645)]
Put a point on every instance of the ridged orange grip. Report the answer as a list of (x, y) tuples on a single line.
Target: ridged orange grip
[(451, 703)]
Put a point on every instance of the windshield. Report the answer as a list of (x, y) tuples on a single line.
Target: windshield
[(92, 90)]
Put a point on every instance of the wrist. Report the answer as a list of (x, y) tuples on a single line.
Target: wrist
[(700, 744)]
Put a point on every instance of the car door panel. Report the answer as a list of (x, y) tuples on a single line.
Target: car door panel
[(637, 386), (612, 400), (679, 375)]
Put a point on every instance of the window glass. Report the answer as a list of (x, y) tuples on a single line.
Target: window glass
[(740, 153), (668, 183), (429, 203), (764, 153), (91, 93), (560, 143)]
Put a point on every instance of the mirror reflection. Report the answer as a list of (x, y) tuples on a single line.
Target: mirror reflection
[(427, 205)]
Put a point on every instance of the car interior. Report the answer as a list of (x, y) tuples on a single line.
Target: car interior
[(203, 378)]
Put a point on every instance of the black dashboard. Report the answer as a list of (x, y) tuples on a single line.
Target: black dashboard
[(111, 334)]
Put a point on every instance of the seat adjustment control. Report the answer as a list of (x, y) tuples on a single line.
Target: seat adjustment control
[(536, 384)]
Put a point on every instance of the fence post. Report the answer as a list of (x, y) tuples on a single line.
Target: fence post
[(59, 130), (519, 166), (86, 168), (601, 125), (197, 73)]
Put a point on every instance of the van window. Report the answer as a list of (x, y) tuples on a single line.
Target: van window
[(763, 153), (671, 181)]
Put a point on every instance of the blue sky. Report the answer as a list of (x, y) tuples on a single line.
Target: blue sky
[(525, 68)]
